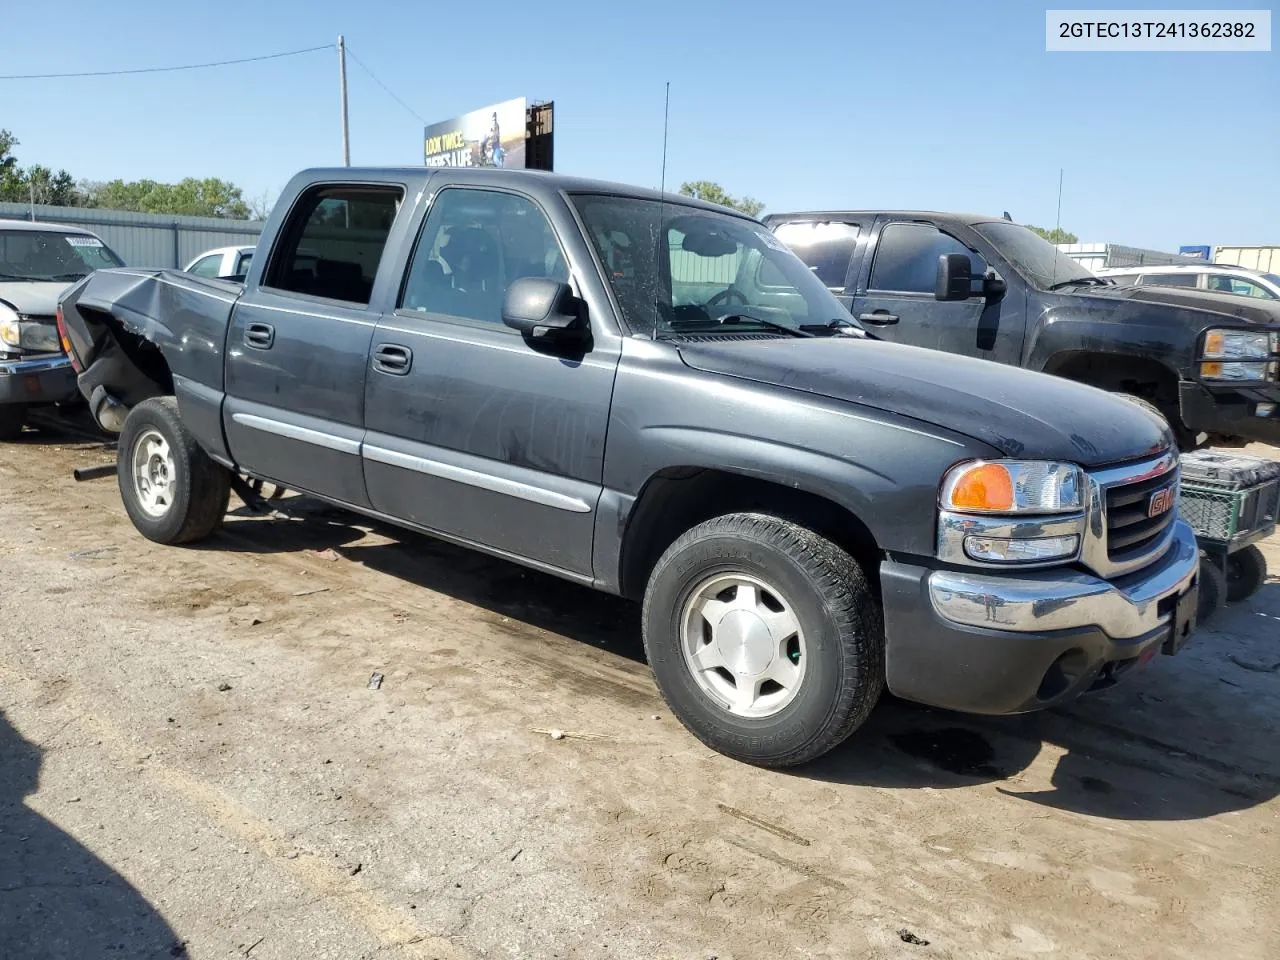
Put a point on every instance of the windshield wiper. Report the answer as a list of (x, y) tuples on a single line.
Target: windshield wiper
[(15, 276), (836, 326), (1099, 281), (731, 318)]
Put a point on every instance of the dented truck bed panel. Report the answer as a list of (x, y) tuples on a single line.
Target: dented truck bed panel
[(136, 334)]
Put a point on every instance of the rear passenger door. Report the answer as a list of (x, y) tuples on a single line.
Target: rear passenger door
[(472, 432), (896, 296), (298, 345)]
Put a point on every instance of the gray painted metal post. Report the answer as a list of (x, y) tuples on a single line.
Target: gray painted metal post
[(177, 245), (342, 75)]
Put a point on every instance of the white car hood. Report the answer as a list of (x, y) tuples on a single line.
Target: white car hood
[(33, 298)]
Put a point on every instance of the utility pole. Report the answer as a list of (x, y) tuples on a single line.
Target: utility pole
[(342, 74)]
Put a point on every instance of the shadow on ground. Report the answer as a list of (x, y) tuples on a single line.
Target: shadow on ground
[(1183, 740), (57, 900)]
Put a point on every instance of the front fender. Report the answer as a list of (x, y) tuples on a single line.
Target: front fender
[(1163, 333)]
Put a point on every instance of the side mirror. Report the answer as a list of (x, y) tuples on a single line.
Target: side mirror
[(993, 288), (955, 277), (544, 310)]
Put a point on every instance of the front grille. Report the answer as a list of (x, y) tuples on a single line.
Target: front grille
[(1129, 529)]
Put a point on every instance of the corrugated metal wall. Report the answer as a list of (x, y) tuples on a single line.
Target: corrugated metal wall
[(1266, 259), (146, 239)]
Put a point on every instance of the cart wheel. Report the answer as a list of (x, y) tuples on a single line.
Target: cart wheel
[(1213, 590), (1246, 570)]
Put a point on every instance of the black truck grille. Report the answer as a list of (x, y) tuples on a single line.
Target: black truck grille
[(1130, 527)]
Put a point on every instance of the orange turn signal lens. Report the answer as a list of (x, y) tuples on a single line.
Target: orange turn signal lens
[(984, 486), (1213, 343)]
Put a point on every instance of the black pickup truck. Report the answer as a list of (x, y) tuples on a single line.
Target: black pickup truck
[(653, 397), (1209, 362)]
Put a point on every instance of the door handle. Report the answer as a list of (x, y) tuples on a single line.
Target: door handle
[(260, 336), (392, 358), (881, 318)]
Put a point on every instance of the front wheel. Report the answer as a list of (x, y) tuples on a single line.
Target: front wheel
[(764, 638), (172, 491)]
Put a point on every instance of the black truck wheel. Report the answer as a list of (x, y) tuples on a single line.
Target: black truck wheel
[(172, 490), (12, 418), (1213, 589), (765, 639), (1246, 571)]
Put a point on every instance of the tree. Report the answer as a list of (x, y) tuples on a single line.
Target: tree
[(714, 193), (36, 182), (209, 197), (1056, 235)]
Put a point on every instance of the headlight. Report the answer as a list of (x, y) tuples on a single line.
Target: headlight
[(10, 328), (1236, 345), (1033, 550), (1012, 486), (1251, 370)]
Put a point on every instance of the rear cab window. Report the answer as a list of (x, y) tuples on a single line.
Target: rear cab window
[(333, 241), (826, 247)]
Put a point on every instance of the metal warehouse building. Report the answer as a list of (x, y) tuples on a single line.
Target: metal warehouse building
[(146, 239)]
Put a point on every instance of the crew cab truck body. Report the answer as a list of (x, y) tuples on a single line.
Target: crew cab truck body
[(1210, 362), (653, 397)]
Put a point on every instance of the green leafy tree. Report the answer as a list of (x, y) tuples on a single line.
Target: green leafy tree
[(1056, 235), (209, 197), (714, 193), (9, 169), (36, 182)]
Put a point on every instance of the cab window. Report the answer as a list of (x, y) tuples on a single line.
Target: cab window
[(906, 258), (333, 242), (474, 245), (825, 247)]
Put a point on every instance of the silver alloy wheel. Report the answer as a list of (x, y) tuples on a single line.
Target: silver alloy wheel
[(153, 473), (743, 644)]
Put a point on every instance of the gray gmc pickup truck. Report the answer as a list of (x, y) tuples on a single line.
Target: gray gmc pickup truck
[(656, 398)]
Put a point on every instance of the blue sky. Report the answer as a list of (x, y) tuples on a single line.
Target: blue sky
[(801, 105)]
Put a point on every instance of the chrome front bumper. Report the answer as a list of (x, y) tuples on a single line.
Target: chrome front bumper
[(1039, 602), (48, 379)]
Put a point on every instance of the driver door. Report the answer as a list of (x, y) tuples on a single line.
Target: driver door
[(896, 301)]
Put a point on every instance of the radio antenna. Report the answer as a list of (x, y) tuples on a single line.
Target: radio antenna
[(662, 199), (1057, 226)]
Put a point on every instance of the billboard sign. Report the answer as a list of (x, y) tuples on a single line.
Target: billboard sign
[(1199, 250), (490, 137)]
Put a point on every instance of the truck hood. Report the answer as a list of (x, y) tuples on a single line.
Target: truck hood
[(1236, 308), (33, 298), (1020, 413)]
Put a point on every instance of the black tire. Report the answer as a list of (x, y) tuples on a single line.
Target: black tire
[(1246, 572), (12, 418), (840, 617), (1213, 590), (198, 488), (1186, 439)]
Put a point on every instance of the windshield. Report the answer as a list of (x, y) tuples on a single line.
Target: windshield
[(51, 255), (702, 270), (1038, 260)]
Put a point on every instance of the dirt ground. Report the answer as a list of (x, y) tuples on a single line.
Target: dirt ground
[(193, 764)]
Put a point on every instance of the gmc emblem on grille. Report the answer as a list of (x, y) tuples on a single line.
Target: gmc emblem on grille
[(1161, 501)]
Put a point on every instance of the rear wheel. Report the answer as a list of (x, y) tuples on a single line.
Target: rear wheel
[(1246, 571), (12, 418), (765, 639), (172, 491)]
